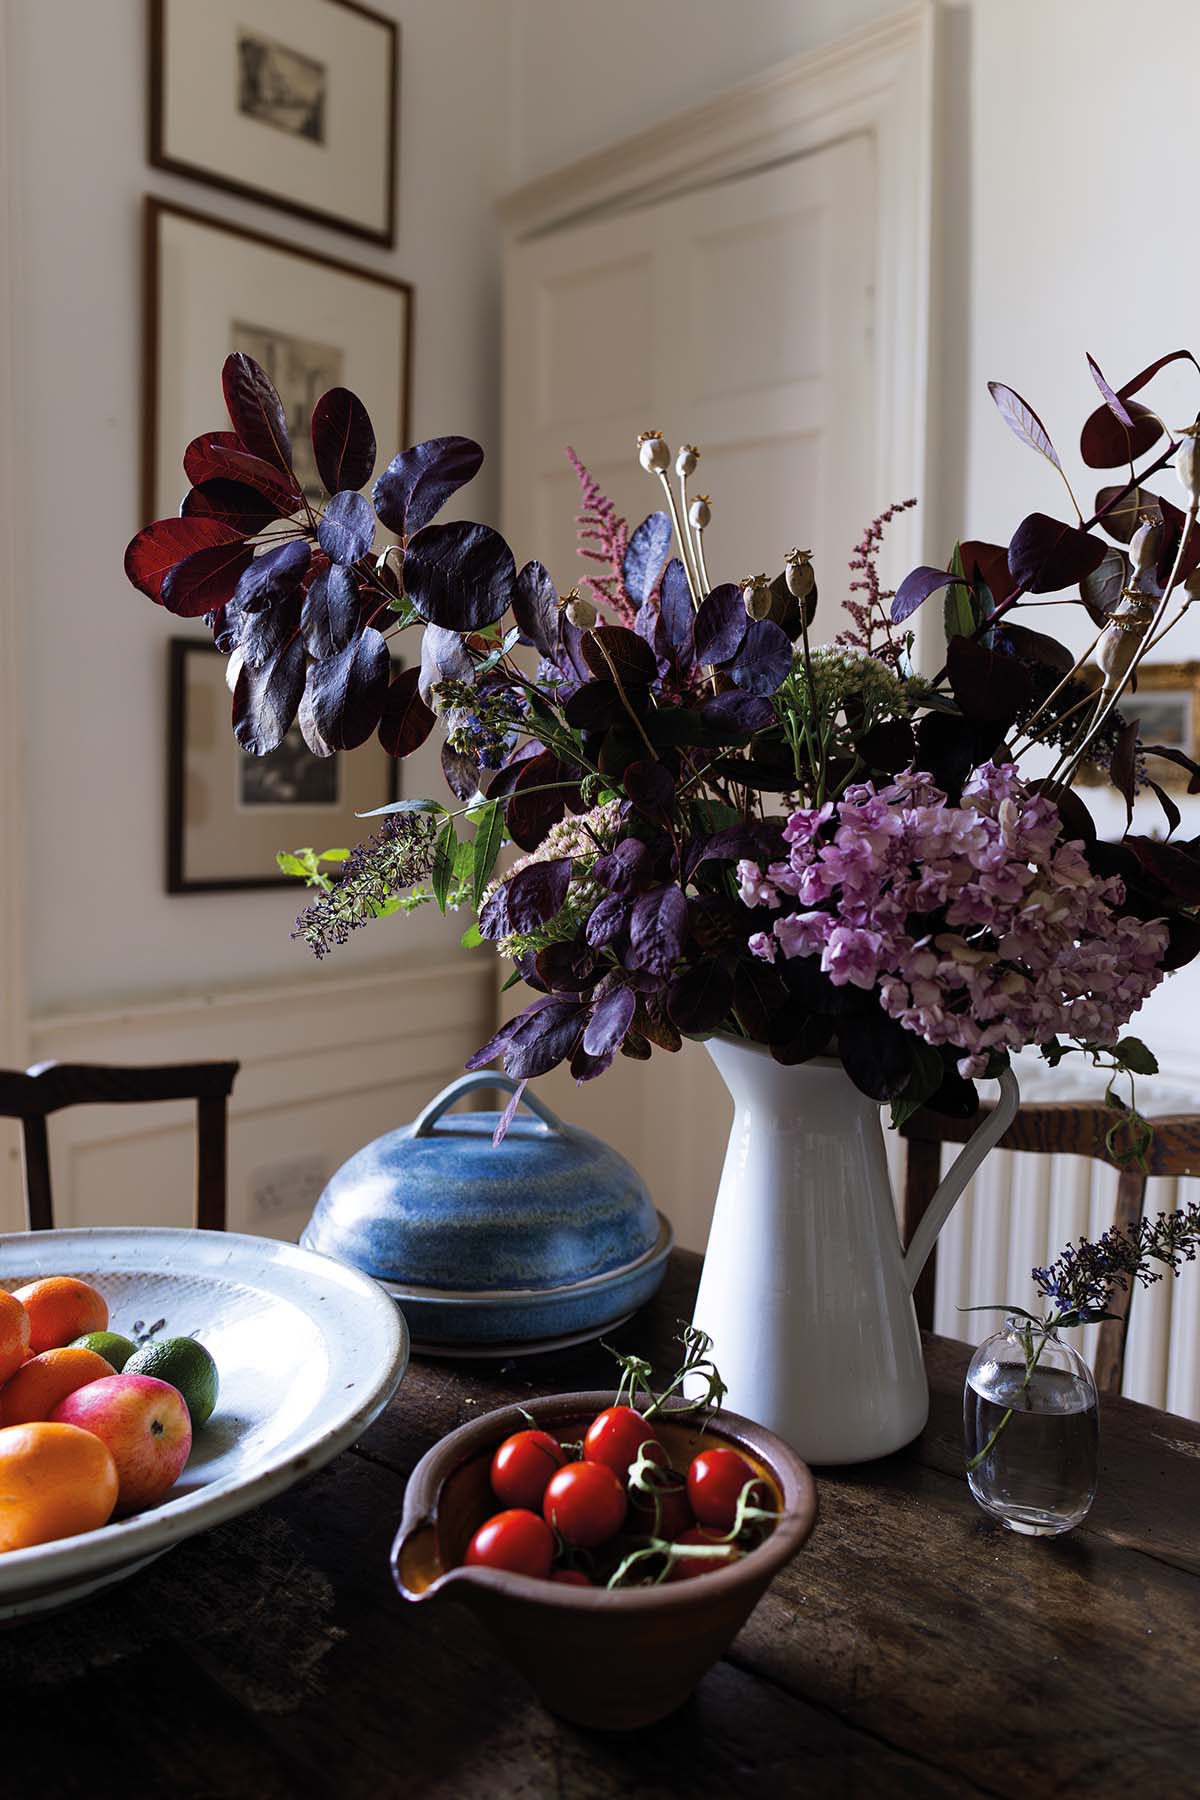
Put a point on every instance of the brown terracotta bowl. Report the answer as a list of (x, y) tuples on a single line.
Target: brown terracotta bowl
[(609, 1659)]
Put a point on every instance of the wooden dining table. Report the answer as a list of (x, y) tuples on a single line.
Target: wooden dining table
[(913, 1647)]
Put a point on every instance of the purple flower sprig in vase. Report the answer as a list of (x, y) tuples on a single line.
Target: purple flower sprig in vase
[(1029, 1405)]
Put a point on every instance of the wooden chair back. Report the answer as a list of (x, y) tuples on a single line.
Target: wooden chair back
[(49, 1087), (1053, 1128)]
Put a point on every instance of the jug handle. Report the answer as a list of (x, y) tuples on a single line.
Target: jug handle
[(425, 1121), (958, 1175)]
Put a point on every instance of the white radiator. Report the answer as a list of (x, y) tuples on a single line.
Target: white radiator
[(1022, 1210)]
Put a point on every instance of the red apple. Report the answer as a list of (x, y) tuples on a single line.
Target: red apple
[(146, 1426)]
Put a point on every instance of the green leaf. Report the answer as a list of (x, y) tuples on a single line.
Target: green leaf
[(923, 1083), (291, 865), (1137, 1056), (444, 854), (463, 862), (472, 937), (512, 980), (403, 806), (334, 856), (959, 607), (489, 832)]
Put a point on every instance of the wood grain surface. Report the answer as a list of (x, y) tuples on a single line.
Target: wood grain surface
[(913, 1648)]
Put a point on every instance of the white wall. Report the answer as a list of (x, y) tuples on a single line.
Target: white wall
[(100, 927)]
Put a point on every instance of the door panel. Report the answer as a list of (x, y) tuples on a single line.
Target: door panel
[(736, 317)]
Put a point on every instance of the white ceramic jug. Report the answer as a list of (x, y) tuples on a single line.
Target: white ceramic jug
[(806, 1292)]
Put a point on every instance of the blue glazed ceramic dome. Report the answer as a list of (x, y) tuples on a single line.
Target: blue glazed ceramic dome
[(546, 1233)]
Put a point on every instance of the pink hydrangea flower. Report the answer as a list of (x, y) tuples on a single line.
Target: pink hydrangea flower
[(979, 927)]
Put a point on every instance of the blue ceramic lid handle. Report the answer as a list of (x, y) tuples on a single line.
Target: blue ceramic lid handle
[(469, 1084)]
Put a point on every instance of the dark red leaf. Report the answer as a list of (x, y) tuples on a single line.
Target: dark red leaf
[(1023, 422), (607, 921), (1114, 403), (610, 1020), (645, 555), (1104, 442), (273, 575), (594, 706), (657, 929), (915, 589), (734, 715), (530, 814), (507, 1116), (1170, 754), (443, 658), (347, 691), (876, 1054), (677, 614), (461, 576), (612, 647), (988, 687), (417, 484), (1102, 589), (213, 456), (986, 565), (264, 634), (205, 580), (461, 771), (343, 440), (759, 996), (406, 721), (527, 899), (1176, 866), (544, 1040), (1045, 555), (624, 867), (721, 625), (535, 609), (764, 659), (347, 527), (1123, 766), (265, 700), (1171, 812), (1121, 512), (889, 746), (332, 612), (256, 411), (157, 548), (700, 998), (233, 503), (652, 790)]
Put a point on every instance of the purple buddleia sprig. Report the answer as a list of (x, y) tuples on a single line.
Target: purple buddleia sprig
[(1081, 1282), (374, 874)]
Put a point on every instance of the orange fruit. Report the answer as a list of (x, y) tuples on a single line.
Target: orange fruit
[(14, 1335), (38, 1385), (55, 1481), (61, 1308)]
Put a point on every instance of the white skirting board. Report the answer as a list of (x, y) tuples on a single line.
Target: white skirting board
[(328, 1063)]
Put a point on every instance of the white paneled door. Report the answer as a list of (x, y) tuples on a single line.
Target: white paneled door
[(737, 317)]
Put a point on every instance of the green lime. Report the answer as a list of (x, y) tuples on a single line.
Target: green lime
[(115, 1349), (187, 1365)]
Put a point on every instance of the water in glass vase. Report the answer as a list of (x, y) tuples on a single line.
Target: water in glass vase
[(1032, 1436)]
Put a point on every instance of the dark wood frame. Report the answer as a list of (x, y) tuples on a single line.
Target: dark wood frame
[(49, 1087), (179, 649), (1063, 1128), (159, 159), (154, 211)]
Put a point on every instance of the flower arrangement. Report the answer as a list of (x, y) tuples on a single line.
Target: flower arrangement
[(723, 824)]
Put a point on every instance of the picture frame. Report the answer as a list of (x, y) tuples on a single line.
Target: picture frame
[(1167, 704), (229, 813), (291, 102), (312, 320)]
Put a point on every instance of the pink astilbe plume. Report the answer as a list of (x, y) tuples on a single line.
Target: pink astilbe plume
[(603, 538), (871, 615)]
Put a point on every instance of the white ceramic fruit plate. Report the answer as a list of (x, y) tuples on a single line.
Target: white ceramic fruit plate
[(308, 1351)]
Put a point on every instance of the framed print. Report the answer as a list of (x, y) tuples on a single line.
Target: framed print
[(290, 101), (1167, 703), (229, 813), (312, 321)]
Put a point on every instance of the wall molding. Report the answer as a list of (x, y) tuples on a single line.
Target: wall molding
[(327, 1064), (881, 81)]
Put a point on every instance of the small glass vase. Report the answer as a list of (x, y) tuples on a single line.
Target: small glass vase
[(1032, 1430)]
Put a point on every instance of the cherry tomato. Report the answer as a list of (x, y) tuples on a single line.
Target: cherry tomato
[(675, 1512), (571, 1578), (523, 1465), (516, 1540), (715, 1480), (585, 1503), (614, 1438), (689, 1566)]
